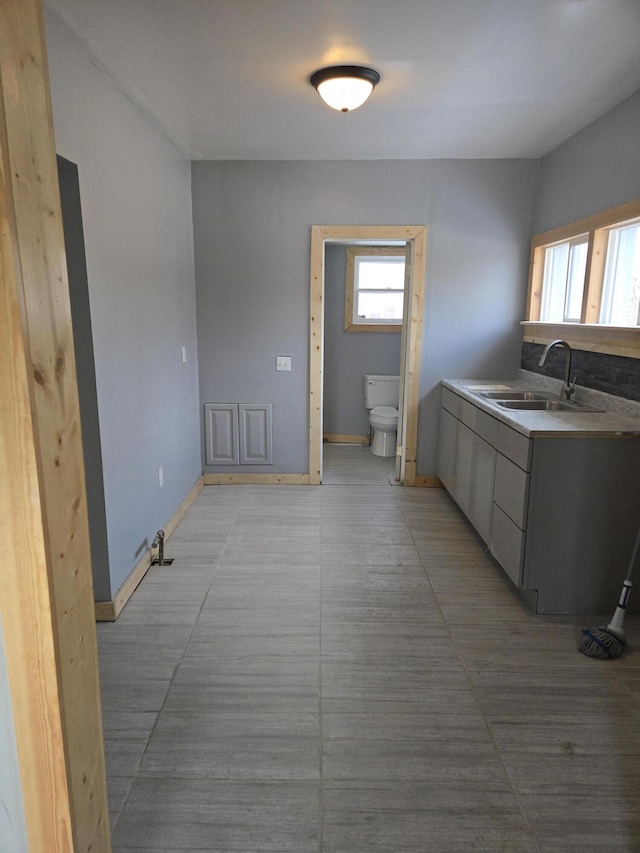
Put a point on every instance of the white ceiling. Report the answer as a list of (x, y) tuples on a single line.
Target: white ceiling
[(228, 79)]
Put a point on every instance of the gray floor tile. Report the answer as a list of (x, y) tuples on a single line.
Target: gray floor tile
[(174, 814), (370, 554), (421, 817), (238, 745), (589, 836), (206, 642), (345, 668)]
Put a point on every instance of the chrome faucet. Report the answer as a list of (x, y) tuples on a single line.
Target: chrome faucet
[(568, 387)]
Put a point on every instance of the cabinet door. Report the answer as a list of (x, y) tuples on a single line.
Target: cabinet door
[(484, 465), (447, 441), (221, 434), (256, 445), (463, 468), (474, 477)]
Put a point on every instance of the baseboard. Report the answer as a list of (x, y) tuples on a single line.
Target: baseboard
[(337, 438), (256, 479), (429, 483), (108, 611)]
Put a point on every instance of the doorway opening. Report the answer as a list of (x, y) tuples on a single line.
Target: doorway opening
[(411, 336)]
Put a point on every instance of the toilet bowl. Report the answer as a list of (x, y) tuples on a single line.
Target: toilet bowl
[(381, 394), (384, 420)]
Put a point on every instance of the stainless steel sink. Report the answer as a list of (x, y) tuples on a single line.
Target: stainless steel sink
[(532, 405), (515, 395)]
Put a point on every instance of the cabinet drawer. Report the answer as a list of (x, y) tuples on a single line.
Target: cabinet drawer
[(507, 544), (511, 492), (514, 446), (480, 422), (450, 401)]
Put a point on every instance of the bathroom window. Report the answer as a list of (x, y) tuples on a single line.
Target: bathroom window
[(374, 291)]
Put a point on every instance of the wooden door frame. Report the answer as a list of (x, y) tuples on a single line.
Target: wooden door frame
[(47, 593), (416, 237)]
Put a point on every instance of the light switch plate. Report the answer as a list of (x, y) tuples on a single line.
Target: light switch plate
[(283, 362)]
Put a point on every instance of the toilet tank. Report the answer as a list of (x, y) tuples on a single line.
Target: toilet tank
[(381, 390)]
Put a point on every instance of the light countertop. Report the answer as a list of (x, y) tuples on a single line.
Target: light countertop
[(620, 417)]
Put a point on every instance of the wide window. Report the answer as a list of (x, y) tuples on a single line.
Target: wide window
[(374, 292), (588, 273)]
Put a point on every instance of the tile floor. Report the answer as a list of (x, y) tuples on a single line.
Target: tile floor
[(344, 668)]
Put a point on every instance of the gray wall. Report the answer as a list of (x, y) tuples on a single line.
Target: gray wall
[(349, 355), (251, 229), (13, 834), (136, 207), (595, 169)]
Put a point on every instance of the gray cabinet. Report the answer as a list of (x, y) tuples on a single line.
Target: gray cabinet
[(255, 431), (559, 513), (474, 476), (221, 434), (238, 434), (511, 501), (447, 444), (467, 458), (582, 518)]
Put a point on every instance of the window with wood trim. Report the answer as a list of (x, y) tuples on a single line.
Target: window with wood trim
[(374, 288), (588, 272)]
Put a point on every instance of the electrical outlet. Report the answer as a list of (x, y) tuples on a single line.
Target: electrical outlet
[(283, 362), (161, 477)]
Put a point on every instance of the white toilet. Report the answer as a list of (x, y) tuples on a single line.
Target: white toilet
[(381, 395)]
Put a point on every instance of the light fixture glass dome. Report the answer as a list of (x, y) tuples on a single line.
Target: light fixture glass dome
[(344, 87)]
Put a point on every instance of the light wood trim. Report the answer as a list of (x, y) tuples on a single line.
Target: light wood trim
[(613, 216), (321, 234), (25, 603), (365, 234), (338, 438), (429, 483), (612, 340), (108, 611), (402, 370), (350, 287), (316, 354), (414, 350), (256, 479), (182, 510), (105, 611), (536, 272), (370, 327), (594, 275), (47, 596)]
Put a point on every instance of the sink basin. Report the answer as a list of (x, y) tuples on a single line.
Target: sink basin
[(545, 405), (514, 395)]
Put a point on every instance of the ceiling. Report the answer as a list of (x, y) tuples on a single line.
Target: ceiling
[(228, 79)]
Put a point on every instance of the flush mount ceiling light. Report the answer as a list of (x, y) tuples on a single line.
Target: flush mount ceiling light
[(344, 87)]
